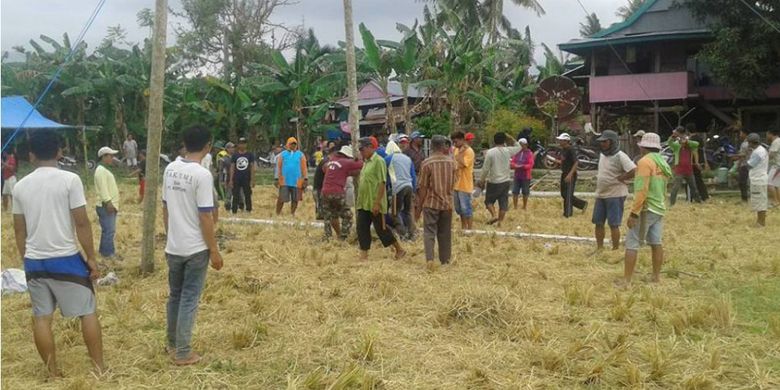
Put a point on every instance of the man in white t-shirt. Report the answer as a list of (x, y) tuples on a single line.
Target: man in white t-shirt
[(188, 203), (758, 164), (615, 168), (50, 211)]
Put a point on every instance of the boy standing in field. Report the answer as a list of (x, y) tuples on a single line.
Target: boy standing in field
[(652, 174), (47, 205), (684, 150), (188, 202)]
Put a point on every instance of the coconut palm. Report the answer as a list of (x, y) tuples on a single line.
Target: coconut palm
[(591, 26), (629, 9)]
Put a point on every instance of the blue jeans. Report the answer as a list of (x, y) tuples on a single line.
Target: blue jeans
[(186, 277), (107, 232), (462, 203)]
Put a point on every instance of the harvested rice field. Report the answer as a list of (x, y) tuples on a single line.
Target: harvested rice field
[(289, 311)]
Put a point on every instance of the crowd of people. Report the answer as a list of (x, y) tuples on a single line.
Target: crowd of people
[(392, 187)]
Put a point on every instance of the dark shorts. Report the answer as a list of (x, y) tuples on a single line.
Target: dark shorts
[(521, 185), (498, 192), (288, 194), (609, 210)]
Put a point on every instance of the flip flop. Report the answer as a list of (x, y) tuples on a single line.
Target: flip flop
[(492, 221)]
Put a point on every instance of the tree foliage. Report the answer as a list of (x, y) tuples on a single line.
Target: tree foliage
[(630, 8), (745, 54), (591, 26)]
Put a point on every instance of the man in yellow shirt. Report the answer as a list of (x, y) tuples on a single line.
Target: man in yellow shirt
[(464, 178), (107, 202)]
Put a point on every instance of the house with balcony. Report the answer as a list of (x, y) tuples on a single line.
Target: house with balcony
[(647, 67)]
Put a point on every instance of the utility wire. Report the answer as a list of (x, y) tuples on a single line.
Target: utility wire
[(764, 18), (625, 65), (74, 47)]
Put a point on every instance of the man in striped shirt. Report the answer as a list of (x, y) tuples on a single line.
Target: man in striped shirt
[(437, 181)]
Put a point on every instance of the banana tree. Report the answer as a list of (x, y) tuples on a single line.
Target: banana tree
[(380, 59), (405, 66), (300, 89)]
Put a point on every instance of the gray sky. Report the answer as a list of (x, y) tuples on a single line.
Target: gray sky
[(26, 19)]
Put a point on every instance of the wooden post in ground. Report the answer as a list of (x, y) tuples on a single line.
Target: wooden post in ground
[(354, 114), (154, 136)]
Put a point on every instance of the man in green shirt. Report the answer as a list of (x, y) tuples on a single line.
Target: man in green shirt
[(372, 201), (107, 202)]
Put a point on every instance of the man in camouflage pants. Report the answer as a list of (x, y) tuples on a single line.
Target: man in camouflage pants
[(333, 195)]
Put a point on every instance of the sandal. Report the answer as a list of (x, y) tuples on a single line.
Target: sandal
[(194, 358)]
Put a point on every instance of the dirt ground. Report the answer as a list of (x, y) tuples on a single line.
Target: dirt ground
[(290, 311)]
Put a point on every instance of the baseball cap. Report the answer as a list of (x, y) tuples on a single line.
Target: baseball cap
[(365, 142), (106, 150), (219, 145), (523, 141), (403, 138), (230, 145), (753, 138), (417, 134), (469, 136), (564, 137), (242, 140), (608, 135)]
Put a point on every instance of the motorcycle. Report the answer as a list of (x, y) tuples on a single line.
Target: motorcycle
[(546, 157), (717, 151), (70, 164)]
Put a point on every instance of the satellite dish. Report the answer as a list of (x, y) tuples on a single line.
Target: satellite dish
[(557, 97)]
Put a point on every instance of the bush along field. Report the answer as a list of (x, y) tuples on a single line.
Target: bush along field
[(291, 311)]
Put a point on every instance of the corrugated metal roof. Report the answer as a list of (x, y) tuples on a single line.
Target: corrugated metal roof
[(655, 20)]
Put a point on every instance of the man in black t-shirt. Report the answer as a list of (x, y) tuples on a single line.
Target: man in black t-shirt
[(242, 175), (569, 176)]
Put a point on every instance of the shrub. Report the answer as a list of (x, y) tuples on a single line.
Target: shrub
[(434, 124), (512, 123)]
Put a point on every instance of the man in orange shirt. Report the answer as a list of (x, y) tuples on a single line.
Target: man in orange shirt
[(464, 178)]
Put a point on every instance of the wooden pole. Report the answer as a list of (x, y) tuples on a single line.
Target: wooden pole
[(84, 145), (154, 136), (354, 114)]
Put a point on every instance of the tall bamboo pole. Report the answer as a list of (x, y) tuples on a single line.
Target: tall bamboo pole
[(354, 114), (154, 136)]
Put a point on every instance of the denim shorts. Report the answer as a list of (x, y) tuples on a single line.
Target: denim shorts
[(654, 227), (521, 185), (462, 203), (609, 210)]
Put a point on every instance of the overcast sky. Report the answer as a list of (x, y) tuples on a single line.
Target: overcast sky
[(26, 19)]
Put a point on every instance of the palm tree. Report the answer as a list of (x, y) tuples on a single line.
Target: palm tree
[(591, 26), (492, 15), (629, 9)]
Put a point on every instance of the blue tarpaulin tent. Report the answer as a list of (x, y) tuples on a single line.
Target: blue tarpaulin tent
[(16, 108)]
